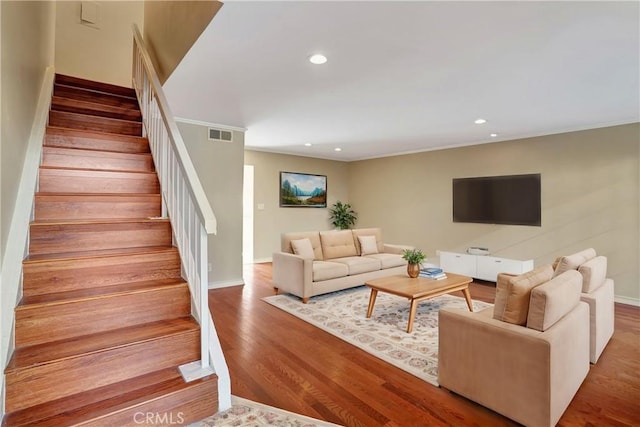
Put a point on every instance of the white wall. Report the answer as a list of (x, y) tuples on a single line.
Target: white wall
[(101, 52)]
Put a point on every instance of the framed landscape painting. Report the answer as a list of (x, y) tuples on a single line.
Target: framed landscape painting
[(303, 190)]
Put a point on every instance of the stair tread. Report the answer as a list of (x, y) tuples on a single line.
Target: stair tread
[(92, 122), (58, 130), (40, 354), (93, 153), (113, 397), (98, 292), (105, 196), (108, 88), (100, 171), (98, 254), (98, 221), (78, 106)]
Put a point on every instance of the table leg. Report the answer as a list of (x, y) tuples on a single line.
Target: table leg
[(372, 301), (412, 315), (467, 296)]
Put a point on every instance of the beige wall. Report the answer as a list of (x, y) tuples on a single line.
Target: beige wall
[(220, 169), (273, 220), (27, 30), (27, 49), (589, 198), (175, 26), (102, 52)]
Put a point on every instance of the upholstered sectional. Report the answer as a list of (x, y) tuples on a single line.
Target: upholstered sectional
[(316, 262)]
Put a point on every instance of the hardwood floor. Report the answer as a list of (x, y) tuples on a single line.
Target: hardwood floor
[(279, 360)]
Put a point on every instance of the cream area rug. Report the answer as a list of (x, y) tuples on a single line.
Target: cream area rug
[(246, 413), (384, 335)]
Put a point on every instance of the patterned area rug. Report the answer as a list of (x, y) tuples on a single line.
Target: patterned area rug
[(384, 335), (246, 413)]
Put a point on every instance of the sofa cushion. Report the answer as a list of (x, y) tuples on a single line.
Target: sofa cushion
[(325, 270), (552, 300), (357, 264), (388, 260), (377, 232), (572, 262), (337, 244), (594, 272), (313, 236), (368, 245), (303, 248), (513, 292)]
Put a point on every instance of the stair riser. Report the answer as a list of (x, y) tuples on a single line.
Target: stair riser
[(69, 275), (61, 79), (86, 181), (94, 123), (71, 138), (38, 324), (74, 207), (99, 160), (94, 109), (92, 96), (52, 238), (34, 385), (180, 408)]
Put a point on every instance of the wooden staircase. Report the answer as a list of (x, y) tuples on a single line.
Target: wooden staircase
[(105, 317)]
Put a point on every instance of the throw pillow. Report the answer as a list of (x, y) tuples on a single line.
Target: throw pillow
[(551, 301), (513, 293), (368, 245), (303, 248), (594, 272), (572, 262)]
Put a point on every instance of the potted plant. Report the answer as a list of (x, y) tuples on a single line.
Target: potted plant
[(414, 258), (342, 216)]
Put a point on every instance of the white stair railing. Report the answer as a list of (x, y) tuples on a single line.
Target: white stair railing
[(190, 213)]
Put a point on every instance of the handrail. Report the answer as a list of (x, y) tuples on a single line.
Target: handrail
[(184, 199), (204, 210)]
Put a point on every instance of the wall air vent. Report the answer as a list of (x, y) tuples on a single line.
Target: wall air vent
[(220, 135)]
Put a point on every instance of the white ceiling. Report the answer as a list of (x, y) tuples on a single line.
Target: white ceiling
[(410, 76)]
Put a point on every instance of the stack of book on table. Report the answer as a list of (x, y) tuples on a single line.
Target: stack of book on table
[(433, 273)]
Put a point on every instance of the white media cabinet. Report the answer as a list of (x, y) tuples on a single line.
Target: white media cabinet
[(483, 267)]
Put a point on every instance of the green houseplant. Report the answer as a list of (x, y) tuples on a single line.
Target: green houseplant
[(342, 216), (414, 258)]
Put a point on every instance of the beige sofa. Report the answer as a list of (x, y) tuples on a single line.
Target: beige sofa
[(524, 358), (597, 291), (316, 262)]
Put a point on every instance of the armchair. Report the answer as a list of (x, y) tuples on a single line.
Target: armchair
[(527, 372)]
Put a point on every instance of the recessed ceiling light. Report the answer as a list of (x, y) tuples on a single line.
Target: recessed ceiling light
[(317, 59), (337, 149), (493, 135), (480, 121), (307, 145)]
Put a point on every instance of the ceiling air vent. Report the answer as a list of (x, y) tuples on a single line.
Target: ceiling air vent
[(220, 135)]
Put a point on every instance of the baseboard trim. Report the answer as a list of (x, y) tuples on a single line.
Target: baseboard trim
[(262, 260), (626, 300), (226, 284)]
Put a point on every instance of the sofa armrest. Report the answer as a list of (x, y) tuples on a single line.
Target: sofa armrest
[(292, 274), (395, 249), (524, 374)]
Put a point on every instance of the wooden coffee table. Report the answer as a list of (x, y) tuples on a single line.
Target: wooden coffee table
[(418, 289)]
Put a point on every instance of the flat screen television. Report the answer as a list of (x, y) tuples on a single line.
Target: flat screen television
[(509, 199)]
